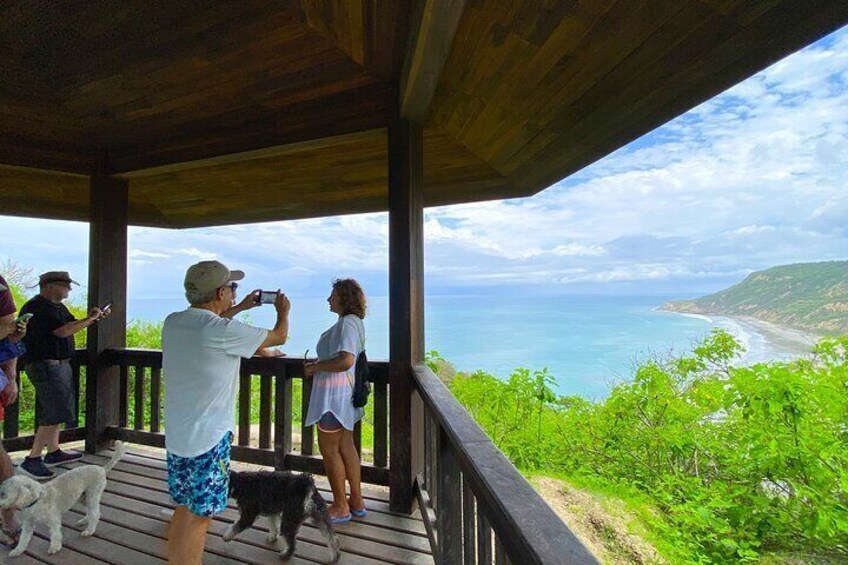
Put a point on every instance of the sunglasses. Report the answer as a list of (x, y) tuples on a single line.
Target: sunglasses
[(233, 286)]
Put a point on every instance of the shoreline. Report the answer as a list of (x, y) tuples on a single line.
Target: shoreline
[(763, 340)]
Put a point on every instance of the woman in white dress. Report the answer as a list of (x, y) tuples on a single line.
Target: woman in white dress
[(331, 404)]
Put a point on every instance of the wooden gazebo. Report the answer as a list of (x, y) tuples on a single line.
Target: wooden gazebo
[(185, 114)]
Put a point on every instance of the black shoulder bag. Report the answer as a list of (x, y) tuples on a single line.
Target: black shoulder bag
[(361, 384)]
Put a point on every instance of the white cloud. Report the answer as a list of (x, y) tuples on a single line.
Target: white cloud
[(139, 254)]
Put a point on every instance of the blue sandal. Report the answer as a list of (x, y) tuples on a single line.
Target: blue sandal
[(340, 519), (362, 512)]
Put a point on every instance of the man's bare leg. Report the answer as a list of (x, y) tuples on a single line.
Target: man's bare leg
[(186, 537)]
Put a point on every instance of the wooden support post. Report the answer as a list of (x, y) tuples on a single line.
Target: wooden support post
[(107, 283), (406, 299)]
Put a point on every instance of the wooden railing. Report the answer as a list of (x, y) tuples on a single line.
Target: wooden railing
[(274, 380), (476, 506), (13, 441)]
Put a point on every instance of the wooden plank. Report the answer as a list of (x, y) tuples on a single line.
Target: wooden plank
[(432, 447), (469, 522), (155, 398), (292, 366), (449, 507), (283, 416), (418, 434), (250, 546), (357, 437), (245, 382), (110, 543), (247, 454), (406, 296), (123, 396), (20, 443), (501, 557), (306, 439), (149, 532), (484, 539), (381, 427), (428, 48), (428, 516), (138, 372), (148, 465), (265, 382), (140, 437), (107, 283), (75, 367), (401, 542), (36, 554), (153, 479)]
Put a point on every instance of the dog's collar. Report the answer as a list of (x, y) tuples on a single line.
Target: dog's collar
[(31, 503)]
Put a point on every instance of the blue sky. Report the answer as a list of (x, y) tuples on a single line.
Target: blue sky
[(755, 177)]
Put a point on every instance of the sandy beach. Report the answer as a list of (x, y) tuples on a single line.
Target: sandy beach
[(765, 341)]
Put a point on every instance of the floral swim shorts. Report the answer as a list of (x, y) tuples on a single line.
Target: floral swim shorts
[(202, 483)]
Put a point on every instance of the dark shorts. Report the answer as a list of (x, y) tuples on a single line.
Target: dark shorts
[(329, 423), (55, 397), (202, 483)]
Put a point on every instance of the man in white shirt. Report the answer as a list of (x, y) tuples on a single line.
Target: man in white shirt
[(202, 348)]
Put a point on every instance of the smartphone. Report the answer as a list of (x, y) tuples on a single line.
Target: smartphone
[(267, 297), (24, 318)]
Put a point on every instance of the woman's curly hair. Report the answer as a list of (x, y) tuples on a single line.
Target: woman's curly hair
[(351, 296)]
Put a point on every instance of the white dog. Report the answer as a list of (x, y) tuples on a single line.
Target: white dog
[(45, 504)]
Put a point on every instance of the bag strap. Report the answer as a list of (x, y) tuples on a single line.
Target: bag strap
[(356, 360)]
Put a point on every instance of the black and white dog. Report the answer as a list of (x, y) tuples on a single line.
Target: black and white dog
[(287, 500)]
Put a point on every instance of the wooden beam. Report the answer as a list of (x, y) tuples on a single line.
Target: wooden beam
[(20, 154), (107, 283), (406, 298), (360, 109), (275, 151), (433, 29)]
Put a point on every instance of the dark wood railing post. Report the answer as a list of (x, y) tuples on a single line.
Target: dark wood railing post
[(282, 418), (406, 298), (449, 503), (107, 283)]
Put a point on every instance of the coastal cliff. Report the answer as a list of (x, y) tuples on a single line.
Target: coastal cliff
[(808, 296)]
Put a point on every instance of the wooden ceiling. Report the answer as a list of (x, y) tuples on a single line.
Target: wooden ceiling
[(232, 112)]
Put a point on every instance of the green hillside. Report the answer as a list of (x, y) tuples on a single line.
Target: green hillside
[(809, 296)]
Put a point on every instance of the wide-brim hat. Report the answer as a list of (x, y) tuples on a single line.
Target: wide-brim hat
[(55, 276), (207, 276)]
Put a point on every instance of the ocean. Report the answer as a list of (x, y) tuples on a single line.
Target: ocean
[(588, 343)]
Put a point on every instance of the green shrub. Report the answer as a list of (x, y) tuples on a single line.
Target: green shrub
[(739, 460)]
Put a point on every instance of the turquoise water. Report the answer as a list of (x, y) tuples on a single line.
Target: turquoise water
[(587, 342)]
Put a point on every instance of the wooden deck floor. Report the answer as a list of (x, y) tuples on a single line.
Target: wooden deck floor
[(135, 513)]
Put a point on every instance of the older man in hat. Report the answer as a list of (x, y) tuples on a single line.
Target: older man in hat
[(202, 348), (50, 344)]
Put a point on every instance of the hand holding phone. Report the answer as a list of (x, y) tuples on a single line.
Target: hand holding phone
[(266, 297), (24, 318)]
